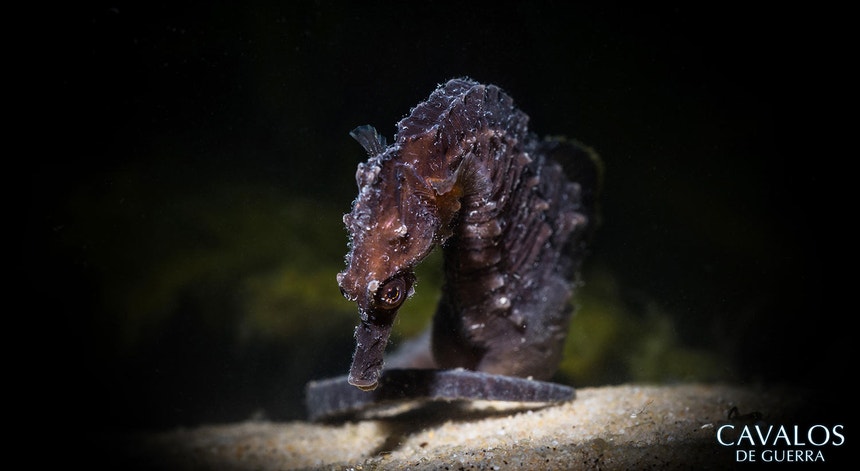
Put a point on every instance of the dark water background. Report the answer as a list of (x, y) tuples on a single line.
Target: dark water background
[(173, 132)]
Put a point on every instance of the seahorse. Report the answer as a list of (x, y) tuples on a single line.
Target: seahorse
[(512, 213)]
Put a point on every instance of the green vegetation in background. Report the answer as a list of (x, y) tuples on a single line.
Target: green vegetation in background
[(252, 257), (613, 341)]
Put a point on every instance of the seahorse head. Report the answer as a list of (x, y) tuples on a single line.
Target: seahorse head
[(393, 225)]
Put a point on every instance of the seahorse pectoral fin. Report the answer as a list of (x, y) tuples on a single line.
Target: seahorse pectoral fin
[(441, 186), (371, 339), (448, 193), (452, 184), (447, 198)]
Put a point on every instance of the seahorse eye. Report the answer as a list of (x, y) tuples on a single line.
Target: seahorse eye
[(391, 294)]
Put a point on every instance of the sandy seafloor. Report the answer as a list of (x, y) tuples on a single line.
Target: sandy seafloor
[(614, 427)]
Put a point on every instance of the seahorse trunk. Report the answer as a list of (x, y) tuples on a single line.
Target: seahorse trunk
[(511, 264)]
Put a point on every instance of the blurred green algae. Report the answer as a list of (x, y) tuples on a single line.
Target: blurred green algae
[(614, 338), (224, 241)]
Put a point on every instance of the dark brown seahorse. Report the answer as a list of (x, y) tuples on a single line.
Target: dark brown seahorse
[(513, 214)]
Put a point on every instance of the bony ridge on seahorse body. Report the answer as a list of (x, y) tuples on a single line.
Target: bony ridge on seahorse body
[(512, 213)]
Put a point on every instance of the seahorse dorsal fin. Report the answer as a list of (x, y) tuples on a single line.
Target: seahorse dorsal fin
[(369, 138)]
